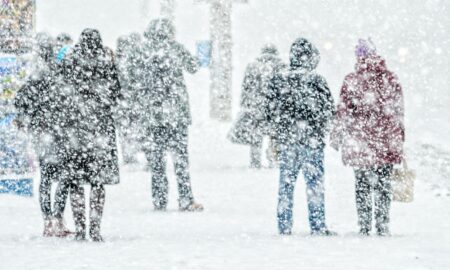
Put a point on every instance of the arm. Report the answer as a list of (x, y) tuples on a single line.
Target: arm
[(398, 103), (327, 108), (27, 102), (189, 62), (343, 109), (273, 109)]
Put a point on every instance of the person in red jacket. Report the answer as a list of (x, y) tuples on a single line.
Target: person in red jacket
[(369, 130)]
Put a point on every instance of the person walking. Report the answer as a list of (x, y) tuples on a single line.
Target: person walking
[(253, 101), (369, 131), (92, 150), (128, 48), (40, 103), (166, 116), (300, 110)]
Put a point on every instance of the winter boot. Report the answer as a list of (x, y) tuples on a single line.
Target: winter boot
[(97, 204), (78, 209), (60, 228), (383, 230), (193, 207), (323, 232), (364, 232), (285, 232), (80, 228), (94, 234), (48, 228)]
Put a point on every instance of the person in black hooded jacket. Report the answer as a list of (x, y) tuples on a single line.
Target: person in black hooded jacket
[(43, 107), (92, 150), (300, 110), (165, 116)]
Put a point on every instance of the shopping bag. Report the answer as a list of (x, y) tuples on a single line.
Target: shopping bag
[(244, 130), (403, 183)]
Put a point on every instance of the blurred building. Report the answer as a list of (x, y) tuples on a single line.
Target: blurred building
[(17, 24)]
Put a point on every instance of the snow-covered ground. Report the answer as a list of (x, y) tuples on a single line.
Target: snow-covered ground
[(238, 228)]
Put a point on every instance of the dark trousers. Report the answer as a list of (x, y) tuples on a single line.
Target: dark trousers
[(255, 155), (96, 205), (374, 182), (51, 172), (174, 140)]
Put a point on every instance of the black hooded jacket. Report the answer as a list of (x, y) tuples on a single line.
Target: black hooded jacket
[(91, 71), (162, 62), (44, 105), (301, 104)]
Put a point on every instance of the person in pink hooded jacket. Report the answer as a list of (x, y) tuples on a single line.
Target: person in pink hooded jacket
[(369, 130)]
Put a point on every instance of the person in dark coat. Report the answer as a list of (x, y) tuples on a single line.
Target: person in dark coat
[(92, 149), (300, 111), (62, 47), (127, 53), (42, 106), (253, 100), (165, 113), (370, 132)]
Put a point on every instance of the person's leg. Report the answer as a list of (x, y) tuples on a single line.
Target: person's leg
[(97, 203), (313, 171), (289, 169), (59, 205), (128, 145), (62, 191), (77, 200), (157, 161), (363, 200), (45, 186), (383, 191), (179, 148), (255, 154), (272, 153)]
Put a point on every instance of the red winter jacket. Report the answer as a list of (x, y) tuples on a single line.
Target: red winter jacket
[(369, 122)]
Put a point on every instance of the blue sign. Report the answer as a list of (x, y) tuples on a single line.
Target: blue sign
[(204, 50), (21, 187), (8, 65)]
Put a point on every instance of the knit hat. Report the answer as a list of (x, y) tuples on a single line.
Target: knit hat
[(365, 48)]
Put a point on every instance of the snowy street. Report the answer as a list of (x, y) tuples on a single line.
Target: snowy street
[(237, 230), (375, 74)]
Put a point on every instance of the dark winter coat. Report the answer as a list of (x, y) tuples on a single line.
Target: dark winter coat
[(44, 105), (91, 70), (301, 105), (250, 125), (369, 122), (164, 97)]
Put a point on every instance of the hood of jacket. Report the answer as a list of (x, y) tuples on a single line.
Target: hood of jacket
[(45, 47), (160, 30), (304, 55), (91, 43), (372, 63)]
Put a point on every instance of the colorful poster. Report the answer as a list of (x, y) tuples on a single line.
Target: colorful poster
[(17, 23), (16, 166)]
